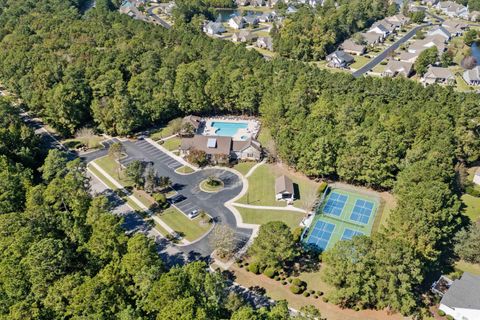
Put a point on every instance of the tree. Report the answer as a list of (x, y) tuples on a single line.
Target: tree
[(426, 58), (417, 16), (467, 244), (469, 62), (55, 165), (447, 58), (309, 312), (14, 183), (165, 182), (151, 179), (223, 240), (470, 37), (134, 172), (274, 245), (116, 151), (198, 157)]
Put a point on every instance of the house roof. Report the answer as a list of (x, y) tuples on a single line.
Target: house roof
[(473, 74), (250, 19), (242, 145), (395, 66), (237, 20), (428, 42), (441, 29), (408, 56), (463, 293), (193, 120), (208, 144), (283, 184), (439, 73), (349, 45), (216, 27), (371, 37), (380, 26), (340, 55)]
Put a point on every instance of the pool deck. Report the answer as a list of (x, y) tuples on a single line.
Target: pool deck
[(253, 127), (343, 221)]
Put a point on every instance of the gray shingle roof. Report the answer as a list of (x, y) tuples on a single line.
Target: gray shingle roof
[(463, 293)]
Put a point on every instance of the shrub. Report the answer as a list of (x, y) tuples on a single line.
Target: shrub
[(295, 289), (289, 280), (449, 317), (320, 293), (284, 283), (297, 233), (441, 313), (312, 291), (269, 272), (306, 294), (472, 191), (315, 296), (321, 188), (298, 282), (240, 265), (253, 267), (277, 278), (325, 299)]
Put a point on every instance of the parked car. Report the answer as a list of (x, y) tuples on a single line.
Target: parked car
[(193, 214)]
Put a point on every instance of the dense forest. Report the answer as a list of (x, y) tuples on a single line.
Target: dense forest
[(311, 34), (121, 75)]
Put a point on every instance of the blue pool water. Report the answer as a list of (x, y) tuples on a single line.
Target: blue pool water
[(228, 129)]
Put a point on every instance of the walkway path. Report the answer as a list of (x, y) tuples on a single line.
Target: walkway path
[(252, 170)]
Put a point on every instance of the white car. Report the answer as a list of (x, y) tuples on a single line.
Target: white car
[(193, 214)]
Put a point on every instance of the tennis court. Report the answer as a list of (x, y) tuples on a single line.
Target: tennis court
[(342, 215), (321, 233)]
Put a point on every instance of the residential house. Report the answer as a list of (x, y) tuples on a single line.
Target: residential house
[(408, 56), (476, 177), (257, 3), (438, 75), (351, 47), (440, 31), (251, 20), (474, 16), (213, 28), (284, 189), (219, 149), (462, 299), (453, 9), (472, 77), (291, 10), (128, 8), (455, 27), (399, 20), (372, 38), (244, 36), (395, 68), (265, 43), (236, 22), (242, 2), (266, 17), (430, 2), (339, 59), (430, 41), (381, 28)]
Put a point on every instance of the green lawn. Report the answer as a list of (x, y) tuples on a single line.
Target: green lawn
[(255, 216), (190, 229), (472, 207), (462, 86), (172, 143), (160, 229), (468, 267), (244, 167), (165, 131), (113, 168), (314, 281), (209, 188), (261, 189), (360, 61), (185, 169)]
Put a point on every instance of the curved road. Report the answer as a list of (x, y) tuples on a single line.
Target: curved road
[(155, 17), (190, 196)]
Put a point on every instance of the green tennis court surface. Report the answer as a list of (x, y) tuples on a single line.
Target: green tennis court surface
[(341, 216)]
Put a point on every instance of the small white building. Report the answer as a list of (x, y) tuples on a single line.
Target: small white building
[(472, 77), (476, 177), (462, 299), (284, 189), (236, 22)]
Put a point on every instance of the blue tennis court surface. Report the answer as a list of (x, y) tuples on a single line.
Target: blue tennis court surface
[(348, 234), (321, 233), (362, 211), (335, 204)]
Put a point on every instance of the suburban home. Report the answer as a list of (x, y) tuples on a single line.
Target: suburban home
[(395, 68), (257, 3), (372, 38), (244, 36), (476, 177), (438, 75), (474, 16), (284, 189), (265, 43), (220, 149), (439, 31), (472, 77), (462, 299), (251, 21), (291, 10), (266, 17), (382, 29), (408, 56), (352, 48), (339, 59), (455, 27), (242, 2), (236, 22), (213, 28), (430, 2), (453, 9), (399, 20), (428, 42)]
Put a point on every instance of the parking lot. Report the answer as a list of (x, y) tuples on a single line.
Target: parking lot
[(151, 153)]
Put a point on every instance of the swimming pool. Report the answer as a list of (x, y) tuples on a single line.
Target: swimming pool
[(228, 129)]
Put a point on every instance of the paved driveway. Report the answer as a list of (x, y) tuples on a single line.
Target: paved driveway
[(187, 188)]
